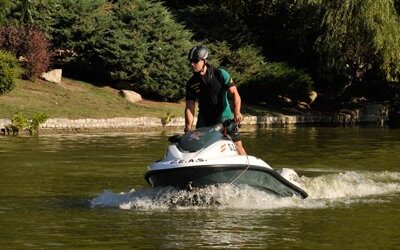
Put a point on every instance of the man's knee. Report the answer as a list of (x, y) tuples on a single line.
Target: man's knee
[(240, 148)]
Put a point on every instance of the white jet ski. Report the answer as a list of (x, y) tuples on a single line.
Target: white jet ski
[(206, 156)]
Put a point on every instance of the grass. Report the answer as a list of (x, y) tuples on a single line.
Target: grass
[(76, 99)]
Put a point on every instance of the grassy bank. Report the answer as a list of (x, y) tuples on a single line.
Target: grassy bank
[(76, 99)]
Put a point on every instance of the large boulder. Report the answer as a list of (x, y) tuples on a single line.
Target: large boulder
[(131, 96), (53, 75)]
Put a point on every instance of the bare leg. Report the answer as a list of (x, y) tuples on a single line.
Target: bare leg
[(239, 148)]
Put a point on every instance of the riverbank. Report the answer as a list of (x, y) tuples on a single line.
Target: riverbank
[(372, 114), (78, 107)]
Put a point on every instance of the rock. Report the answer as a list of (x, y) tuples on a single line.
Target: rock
[(53, 75), (284, 99), (303, 106), (131, 96), (312, 96)]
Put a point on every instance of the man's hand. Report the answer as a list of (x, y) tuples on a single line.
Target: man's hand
[(238, 117)]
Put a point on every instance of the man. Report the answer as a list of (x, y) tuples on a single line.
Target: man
[(211, 86)]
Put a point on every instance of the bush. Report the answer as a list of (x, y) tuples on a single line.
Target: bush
[(257, 79), (5, 8), (212, 22), (34, 123), (278, 79), (137, 41), (9, 70), (244, 64), (146, 47), (22, 122), (28, 43), (36, 51)]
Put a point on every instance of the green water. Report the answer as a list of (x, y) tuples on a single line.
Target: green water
[(64, 192)]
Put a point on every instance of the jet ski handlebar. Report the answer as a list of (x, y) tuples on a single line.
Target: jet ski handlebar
[(220, 127), (227, 123)]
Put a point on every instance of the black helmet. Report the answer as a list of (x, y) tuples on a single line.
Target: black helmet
[(197, 53)]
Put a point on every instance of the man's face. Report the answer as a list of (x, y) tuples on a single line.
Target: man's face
[(197, 65)]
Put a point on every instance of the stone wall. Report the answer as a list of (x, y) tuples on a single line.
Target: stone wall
[(370, 113)]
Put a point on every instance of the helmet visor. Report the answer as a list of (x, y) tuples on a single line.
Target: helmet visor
[(194, 60)]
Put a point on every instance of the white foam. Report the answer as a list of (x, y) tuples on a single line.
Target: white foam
[(324, 191), (351, 184)]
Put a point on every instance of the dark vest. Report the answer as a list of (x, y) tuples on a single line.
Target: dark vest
[(210, 92)]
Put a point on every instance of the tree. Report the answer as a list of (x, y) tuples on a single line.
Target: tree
[(361, 36), (30, 45), (212, 22), (145, 46), (5, 8), (127, 40)]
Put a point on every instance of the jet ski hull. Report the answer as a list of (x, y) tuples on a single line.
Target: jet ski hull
[(203, 175)]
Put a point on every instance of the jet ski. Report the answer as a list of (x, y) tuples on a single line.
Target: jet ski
[(207, 156)]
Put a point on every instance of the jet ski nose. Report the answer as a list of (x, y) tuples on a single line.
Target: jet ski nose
[(175, 138), (290, 175)]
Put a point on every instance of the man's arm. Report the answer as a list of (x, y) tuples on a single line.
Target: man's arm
[(189, 114), (237, 103)]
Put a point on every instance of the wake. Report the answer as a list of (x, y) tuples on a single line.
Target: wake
[(327, 190)]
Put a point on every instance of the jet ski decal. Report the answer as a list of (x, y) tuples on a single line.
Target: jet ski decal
[(186, 161)]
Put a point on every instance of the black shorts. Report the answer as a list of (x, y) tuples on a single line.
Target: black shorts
[(235, 135)]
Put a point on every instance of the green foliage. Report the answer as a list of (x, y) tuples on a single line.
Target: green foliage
[(259, 79), (5, 8), (21, 121), (361, 35), (166, 119), (138, 41), (129, 40), (37, 119), (278, 79), (9, 71), (73, 24), (212, 23), (340, 42), (244, 64), (146, 47), (286, 29)]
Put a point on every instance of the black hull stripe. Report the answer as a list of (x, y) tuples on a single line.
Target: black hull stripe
[(222, 168)]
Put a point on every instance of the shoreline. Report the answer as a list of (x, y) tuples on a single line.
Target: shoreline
[(127, 124)]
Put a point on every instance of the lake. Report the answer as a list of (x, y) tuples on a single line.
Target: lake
[(87, 191)]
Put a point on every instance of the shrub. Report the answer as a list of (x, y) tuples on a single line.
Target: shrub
[(258, 80), (5, 8), (127, 40), (11, 39), (146, 47), (212, 22), (21, 122), (30, 44), (36, 51), (244, 64), (9, 70), (37, 119), (278, 79)]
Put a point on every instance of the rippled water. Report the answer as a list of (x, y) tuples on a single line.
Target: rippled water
[(88, 191)]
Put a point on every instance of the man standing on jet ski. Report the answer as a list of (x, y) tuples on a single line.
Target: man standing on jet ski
[(211, 86)]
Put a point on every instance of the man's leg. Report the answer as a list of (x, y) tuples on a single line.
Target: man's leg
[(239, 148)]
